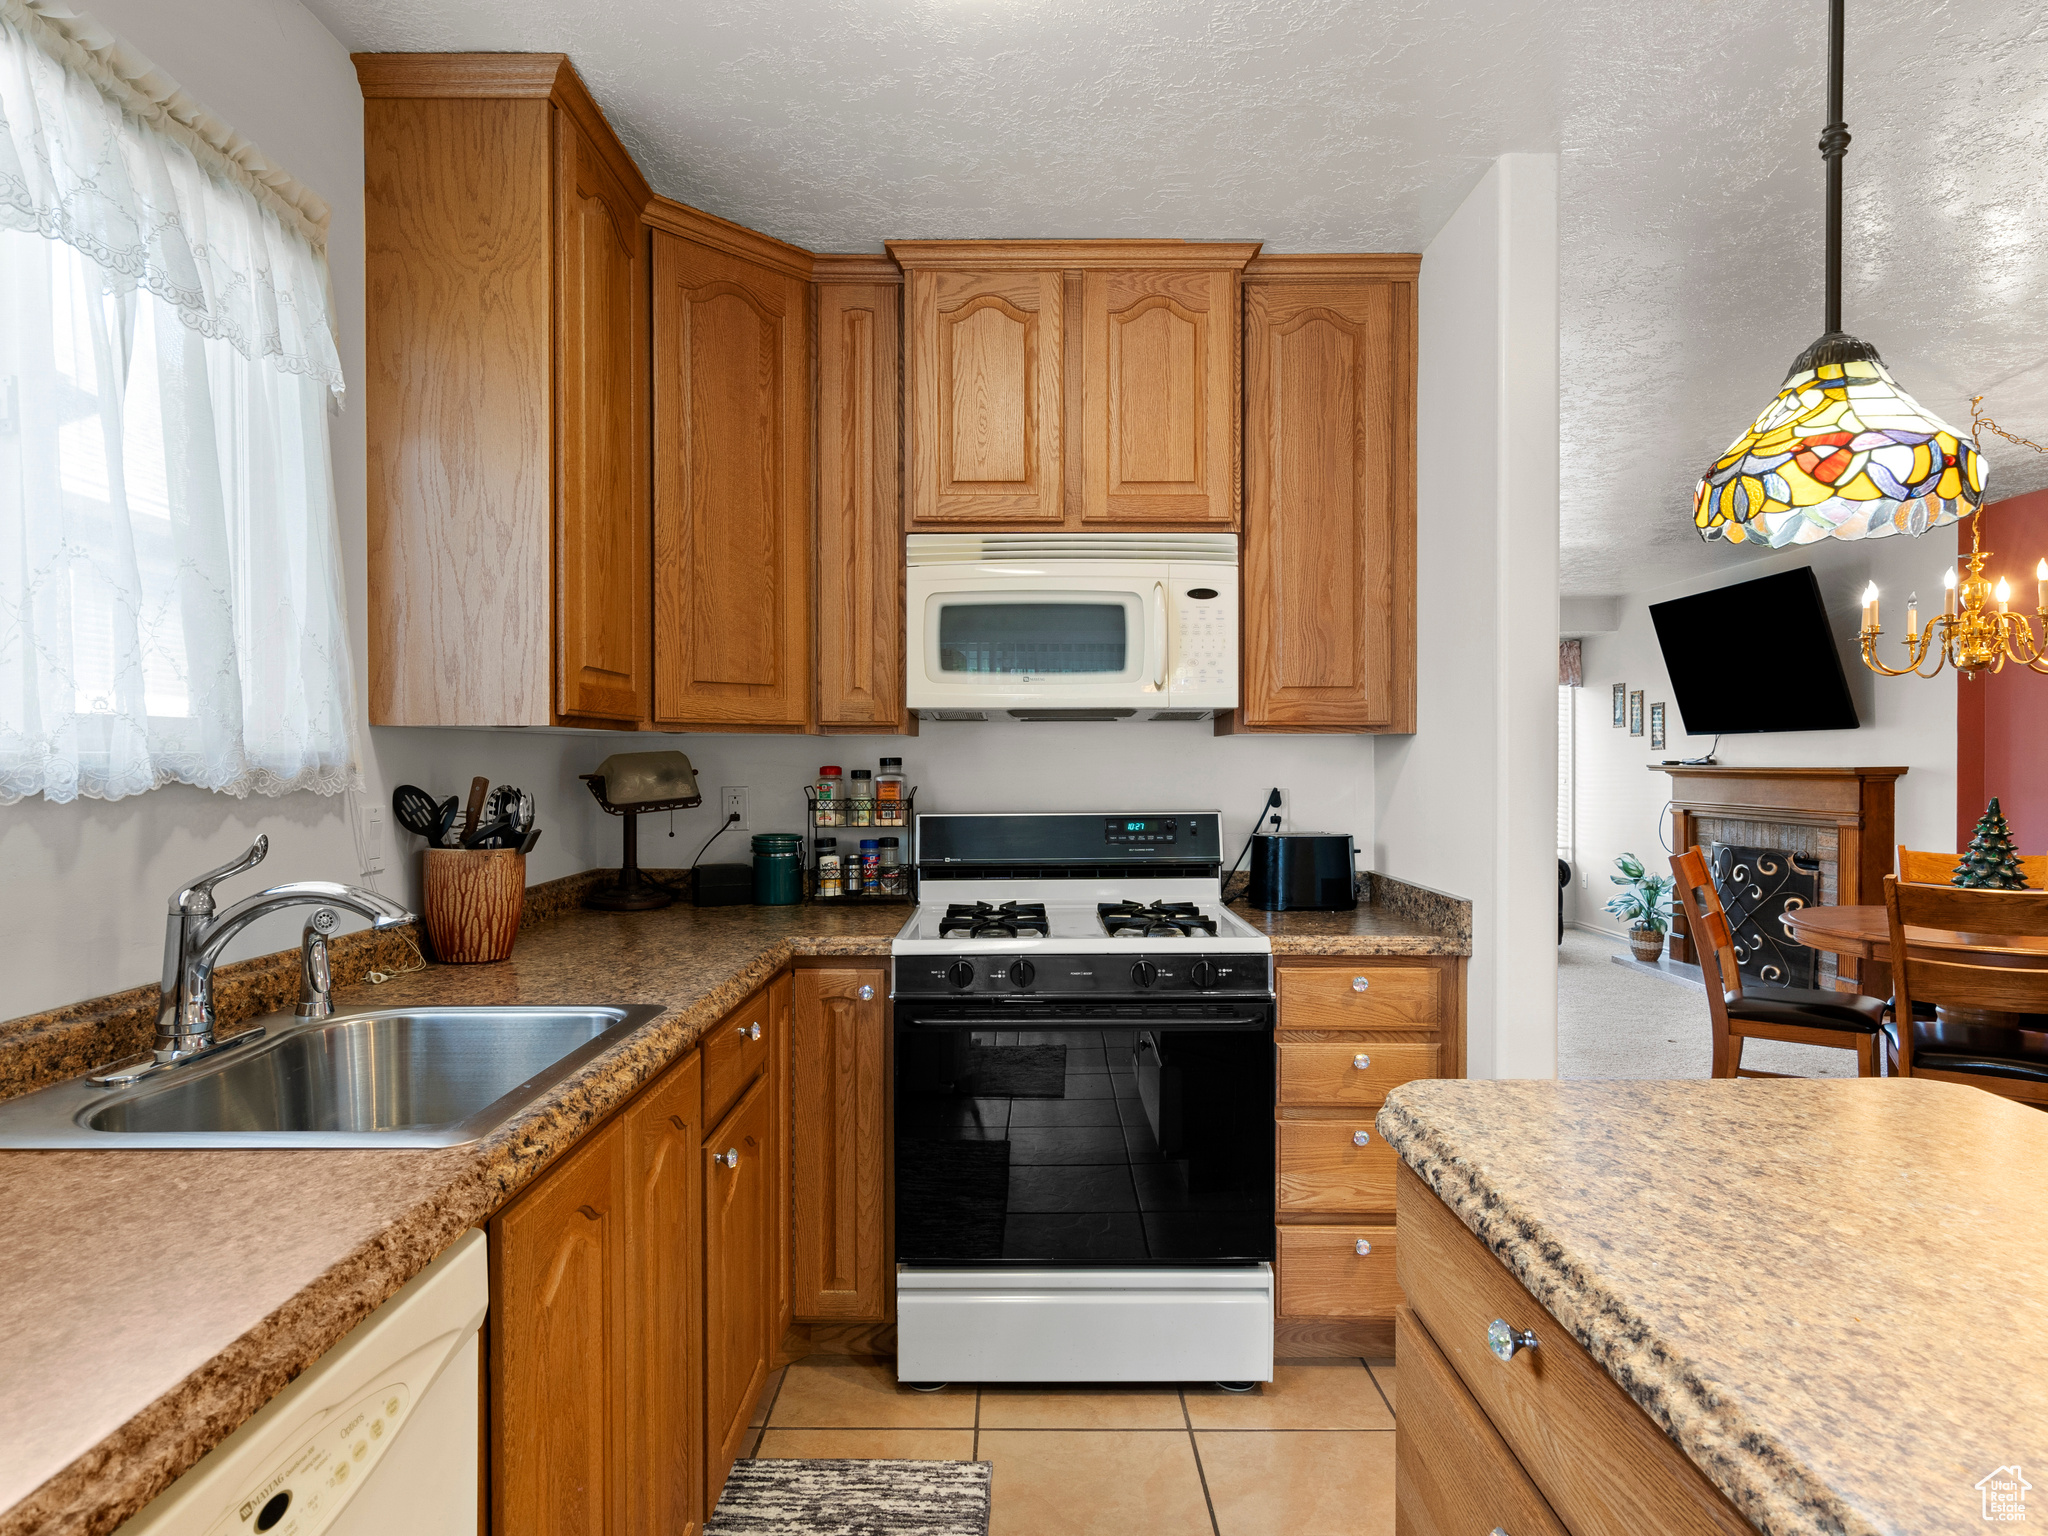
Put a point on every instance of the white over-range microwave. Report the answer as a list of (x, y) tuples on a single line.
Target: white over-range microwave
[(1071, 626)]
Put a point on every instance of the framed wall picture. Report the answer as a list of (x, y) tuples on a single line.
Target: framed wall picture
[(1657, 727), (1635, 713), (1620, 705)]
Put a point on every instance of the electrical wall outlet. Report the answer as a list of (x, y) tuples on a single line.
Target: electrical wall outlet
[(732, 800), (1284, 810)]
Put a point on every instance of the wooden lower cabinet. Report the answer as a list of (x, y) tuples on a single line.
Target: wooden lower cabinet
[(840, 1088), (740, 1213), (1598, 1462), (558, 1347)]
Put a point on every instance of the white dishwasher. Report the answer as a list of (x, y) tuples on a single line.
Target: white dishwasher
[(378, 1437)]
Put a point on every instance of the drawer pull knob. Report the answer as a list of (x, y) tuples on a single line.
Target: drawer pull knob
[(1362, 1247), (1498, 1531), (1361, 1061), (1360, 983), (1361, 1138), (730, 1157), (750, 1032), (1504, 1341), (867, 993)]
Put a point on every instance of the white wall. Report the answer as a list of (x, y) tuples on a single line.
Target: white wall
[(1619, 804), (83, 886), (1468, 804)]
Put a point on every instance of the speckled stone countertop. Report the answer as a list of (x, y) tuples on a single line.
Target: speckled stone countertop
[(1366, 930), (1831, 1295)]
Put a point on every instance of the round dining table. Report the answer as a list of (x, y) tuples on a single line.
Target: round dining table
[(1864, 933)]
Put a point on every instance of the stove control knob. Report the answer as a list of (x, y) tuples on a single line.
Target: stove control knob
[(1144, 973), (961, 974), (1203, 974), (1021, 972)]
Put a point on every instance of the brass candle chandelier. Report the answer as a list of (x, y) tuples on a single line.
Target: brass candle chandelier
[(1967, 634)]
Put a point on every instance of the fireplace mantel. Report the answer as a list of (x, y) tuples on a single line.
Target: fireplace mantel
[(1855, 803)]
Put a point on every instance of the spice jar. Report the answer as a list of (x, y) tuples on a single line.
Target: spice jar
[(827, 795), (825, 859), (870, 865), (891, 792), (860, 799), (889, 867)]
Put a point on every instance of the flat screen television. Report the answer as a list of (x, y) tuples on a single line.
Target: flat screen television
[(1757, 656)]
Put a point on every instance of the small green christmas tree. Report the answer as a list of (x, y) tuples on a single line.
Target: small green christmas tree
[(1991, 863)]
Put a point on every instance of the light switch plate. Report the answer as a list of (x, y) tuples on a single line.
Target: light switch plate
[(372, 837)]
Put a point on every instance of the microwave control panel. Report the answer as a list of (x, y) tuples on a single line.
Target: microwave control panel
[(1205, 643)]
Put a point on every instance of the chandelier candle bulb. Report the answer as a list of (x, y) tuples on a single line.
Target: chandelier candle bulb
[(2003, 594), (1870, 607), (1948, 595), (1912, 617), (2041, 585)]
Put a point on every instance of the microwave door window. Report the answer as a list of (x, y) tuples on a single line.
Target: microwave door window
[(987, 638)]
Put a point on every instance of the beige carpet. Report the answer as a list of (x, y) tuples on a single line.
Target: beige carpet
[(1614, 1022)]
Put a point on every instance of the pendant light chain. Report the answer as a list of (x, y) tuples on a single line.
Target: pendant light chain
[(1834, 148)]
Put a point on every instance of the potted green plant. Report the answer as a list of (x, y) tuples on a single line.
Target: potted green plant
[(1645, 901)]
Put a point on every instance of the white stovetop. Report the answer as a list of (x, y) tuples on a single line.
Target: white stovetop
[(1076, 928)]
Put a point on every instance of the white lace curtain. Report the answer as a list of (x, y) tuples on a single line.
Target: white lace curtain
[(170, 577)]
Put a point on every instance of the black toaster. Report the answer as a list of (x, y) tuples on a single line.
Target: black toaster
[(1302, 872)]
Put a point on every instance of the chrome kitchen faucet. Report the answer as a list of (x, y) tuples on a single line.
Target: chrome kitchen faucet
[(194, 938)]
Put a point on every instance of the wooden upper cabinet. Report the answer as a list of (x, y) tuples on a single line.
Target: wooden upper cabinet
[(1159, 397), (1329, 504), (860, 496), (1078, 384), (732, 486), (506, 396)]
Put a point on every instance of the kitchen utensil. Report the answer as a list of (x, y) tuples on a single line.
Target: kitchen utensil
[(475, 809), (444, 834), (483, 836), (417, 811), (508, 801), (531, 838)]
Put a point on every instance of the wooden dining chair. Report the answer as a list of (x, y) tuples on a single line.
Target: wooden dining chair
[(2004, 1057), (1799, 1015), (1922, 868)]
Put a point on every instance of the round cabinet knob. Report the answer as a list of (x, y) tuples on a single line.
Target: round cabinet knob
[(1504, 1341), (730, 1157), (1360, 983), (1021, 973), (867, 993), (1362, 1248), (750, 1031), (961, 974), (1361, 1061), (1203, 974), (1361, 1138), (1144, 973)]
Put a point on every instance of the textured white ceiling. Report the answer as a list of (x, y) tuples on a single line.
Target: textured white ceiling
[(1690, 185)]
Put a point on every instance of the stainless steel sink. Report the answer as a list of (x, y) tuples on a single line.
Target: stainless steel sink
[(398, 1077)]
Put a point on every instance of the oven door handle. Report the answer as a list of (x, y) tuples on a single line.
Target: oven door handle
[(907, 1020)]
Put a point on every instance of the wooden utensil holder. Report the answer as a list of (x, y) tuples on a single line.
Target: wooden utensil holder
[(473, 900)]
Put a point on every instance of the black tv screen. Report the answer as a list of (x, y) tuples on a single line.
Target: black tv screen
[(1758, 656)]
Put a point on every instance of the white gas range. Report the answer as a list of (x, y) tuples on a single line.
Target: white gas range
[(1084, 1102)]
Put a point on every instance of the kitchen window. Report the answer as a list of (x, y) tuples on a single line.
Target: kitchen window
[(170, 580)]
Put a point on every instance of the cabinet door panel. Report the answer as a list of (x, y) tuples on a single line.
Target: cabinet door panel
[(732, 491), (739, 1280), (601, 512), (1329, 512), (840, 1088), (664, 1318), (557, 1347), (986, 396), (860, 512), (1159, 393)]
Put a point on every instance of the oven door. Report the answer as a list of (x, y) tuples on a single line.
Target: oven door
[(1051, 639), (1088, 1134)]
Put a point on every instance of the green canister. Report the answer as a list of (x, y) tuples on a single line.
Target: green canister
[(778, 869)]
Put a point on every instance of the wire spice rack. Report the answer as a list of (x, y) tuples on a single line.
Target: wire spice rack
[(851, 821)]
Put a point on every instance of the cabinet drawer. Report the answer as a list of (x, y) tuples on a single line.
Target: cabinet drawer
[(1322, 1273), (1323, 1167), (1604, 1468), (1453, 1474), (736, 1051), (1329, 1072), (1332, 997)]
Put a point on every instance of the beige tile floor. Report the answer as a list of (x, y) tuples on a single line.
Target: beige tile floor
[(1309, 1454)]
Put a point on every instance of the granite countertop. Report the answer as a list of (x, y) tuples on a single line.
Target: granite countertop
[(1829, 1294), (272, 1256)]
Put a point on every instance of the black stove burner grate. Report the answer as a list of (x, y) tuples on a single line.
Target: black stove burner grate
[(980, 920), (1158, 920)]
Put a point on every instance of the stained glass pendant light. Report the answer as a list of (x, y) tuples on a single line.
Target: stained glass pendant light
[(1842, 452)]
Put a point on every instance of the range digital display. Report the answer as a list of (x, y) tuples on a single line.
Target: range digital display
[(1141, 829)]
